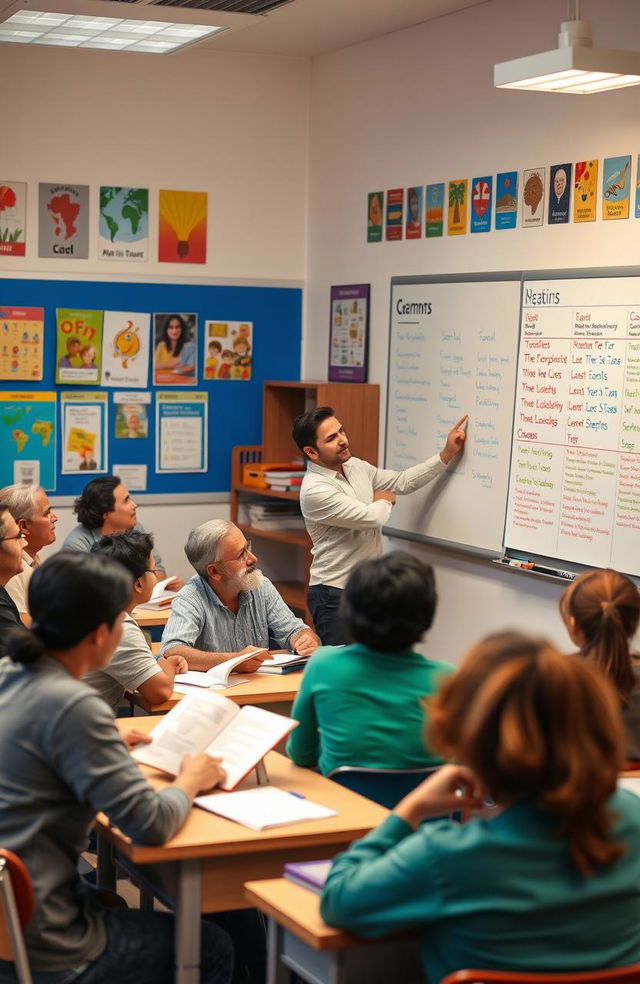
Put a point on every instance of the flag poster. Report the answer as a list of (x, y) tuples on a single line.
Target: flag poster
[(585, 190), (481, 198), (434, 210), (13, 218), (123, 224), (182, 230), (616, 187), (63, 221), (506, 200), (457, 217)]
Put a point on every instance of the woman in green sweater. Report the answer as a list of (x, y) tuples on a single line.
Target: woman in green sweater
[(551, 881), (363, 704)]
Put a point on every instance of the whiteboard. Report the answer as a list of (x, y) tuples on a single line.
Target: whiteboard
[(453, 348), (575, 472)]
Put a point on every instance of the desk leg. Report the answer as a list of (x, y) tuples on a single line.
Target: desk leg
[(106, 871), (277, 973), (188, 923)]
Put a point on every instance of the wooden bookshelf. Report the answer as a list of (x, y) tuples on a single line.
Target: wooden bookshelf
[(357, 406)]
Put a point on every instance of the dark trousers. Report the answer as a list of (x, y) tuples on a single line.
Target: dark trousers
[(324, 604)]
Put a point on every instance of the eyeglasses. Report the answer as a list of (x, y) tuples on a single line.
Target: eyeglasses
[(246, 550), (18, 536), (153, 571)]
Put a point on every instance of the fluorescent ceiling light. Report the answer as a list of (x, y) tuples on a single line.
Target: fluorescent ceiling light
[(575, 66), (107, 33)]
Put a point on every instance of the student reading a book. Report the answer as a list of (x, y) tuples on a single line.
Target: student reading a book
[(345, 503), (105, 506), (12, 542), (551, 880), (61, 761), (31, 509), (133, 667), (229, 607), (363, 704), (601, 611)]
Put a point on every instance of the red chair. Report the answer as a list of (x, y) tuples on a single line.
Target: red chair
[(16, 910), (615, 975)]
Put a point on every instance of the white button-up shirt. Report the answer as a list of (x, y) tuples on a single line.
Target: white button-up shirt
[(342, 519)]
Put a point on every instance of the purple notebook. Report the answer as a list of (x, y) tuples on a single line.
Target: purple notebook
[(308, 874)]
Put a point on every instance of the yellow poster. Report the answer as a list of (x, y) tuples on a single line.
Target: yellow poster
[(616, 187), (457, 215), (585, 191), (21, 331)]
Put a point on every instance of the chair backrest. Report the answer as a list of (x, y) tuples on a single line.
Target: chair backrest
[(614, 975), (16, 910), (383, 786)]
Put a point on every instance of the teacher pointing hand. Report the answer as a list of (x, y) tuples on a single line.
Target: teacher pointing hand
[(345, 503)]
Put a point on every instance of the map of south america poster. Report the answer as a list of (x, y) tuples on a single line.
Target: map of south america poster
[(123, 224)]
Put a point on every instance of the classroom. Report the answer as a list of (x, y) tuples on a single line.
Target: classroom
[(288, 124)]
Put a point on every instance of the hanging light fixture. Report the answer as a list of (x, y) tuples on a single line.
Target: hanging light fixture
[(575, 66)]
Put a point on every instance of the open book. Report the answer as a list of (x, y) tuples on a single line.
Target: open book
[(283, 663), (205, 722), (264, 807), (160, 597), (217, 676)]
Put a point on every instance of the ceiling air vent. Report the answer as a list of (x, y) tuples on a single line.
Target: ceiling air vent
[(226, 6)]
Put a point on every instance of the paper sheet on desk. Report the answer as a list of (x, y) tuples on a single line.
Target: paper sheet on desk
[(186, 688), (263, 807), (631, 784)]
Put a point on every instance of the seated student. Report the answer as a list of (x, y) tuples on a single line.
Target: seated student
[(229, 607), (106, 506), (601, 611), (132, 666), (61, 761), (32, 511), (12, 540), (362, 704), (551, 881)]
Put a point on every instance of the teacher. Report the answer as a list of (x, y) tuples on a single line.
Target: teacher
[(345, 503)]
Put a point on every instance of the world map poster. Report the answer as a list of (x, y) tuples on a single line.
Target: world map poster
[(28, 435), (123, 224)]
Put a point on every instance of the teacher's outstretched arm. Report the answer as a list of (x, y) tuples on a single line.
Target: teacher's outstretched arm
[(455, 440)]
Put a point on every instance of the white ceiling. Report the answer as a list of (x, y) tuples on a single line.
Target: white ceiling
[(311, 27)]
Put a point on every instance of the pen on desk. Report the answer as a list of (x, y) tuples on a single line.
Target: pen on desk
[(567, 575), (299, 796)]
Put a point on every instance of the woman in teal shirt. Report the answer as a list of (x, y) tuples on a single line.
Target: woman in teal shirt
[(551, 881), (363, 704)]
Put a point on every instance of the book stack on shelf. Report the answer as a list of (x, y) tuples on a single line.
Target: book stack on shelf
[(275, 516), (285, 480)]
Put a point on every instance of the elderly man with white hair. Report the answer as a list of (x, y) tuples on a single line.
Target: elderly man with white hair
[(229, 607), (31, 509)]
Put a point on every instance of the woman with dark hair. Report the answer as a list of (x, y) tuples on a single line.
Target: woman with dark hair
[(362, 704), (174, 335), (551, 880), (601, 611), (61, 761)]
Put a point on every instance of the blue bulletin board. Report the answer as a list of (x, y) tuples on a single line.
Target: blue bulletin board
[(234, 406)]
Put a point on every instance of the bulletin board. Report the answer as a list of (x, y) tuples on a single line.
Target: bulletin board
[(234, 406)]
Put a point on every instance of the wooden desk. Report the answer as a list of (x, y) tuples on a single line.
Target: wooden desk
[(260, 688), (299, 940), (146, 618), (204, 867)]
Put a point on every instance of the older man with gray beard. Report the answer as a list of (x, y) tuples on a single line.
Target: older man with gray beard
[(229, 607)]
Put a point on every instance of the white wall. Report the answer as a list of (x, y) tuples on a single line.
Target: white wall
[(418, 106)]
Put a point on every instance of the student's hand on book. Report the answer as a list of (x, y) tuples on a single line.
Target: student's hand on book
[(254, 662), (133, 738), (305, 642), (200, 773), (451, 788), (176, 662)]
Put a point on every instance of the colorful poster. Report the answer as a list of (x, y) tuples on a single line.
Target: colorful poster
[(28, 438), (84, 432), (349, 333), (559, 193), (457, 215), (585, 190), (395, 205), (414, 213), (21, 334), (13, 218), (638, 188), (434, 210), (123, 224), (375, 204), (63, 221), (506, 200), (181, 432), (481, 201), (131, 415), (175, 359), (78, 346), (533, 197), (228, 349), (616, 187), (125, 349), (182, 232)]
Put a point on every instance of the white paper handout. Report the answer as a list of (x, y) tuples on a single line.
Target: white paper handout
[(264, 807), (217, 675)]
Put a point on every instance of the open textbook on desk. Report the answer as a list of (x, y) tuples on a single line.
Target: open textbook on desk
[(205, 722)]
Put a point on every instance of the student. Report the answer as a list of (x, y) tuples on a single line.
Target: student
[(133, 667), (105, 506), (345, 503), (228, 607), (12, 540), (31, 509), (61, 761), (363, 704), (551, 881), (601, 611)]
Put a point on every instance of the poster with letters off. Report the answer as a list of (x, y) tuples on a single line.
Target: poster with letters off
[(125, 349)]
